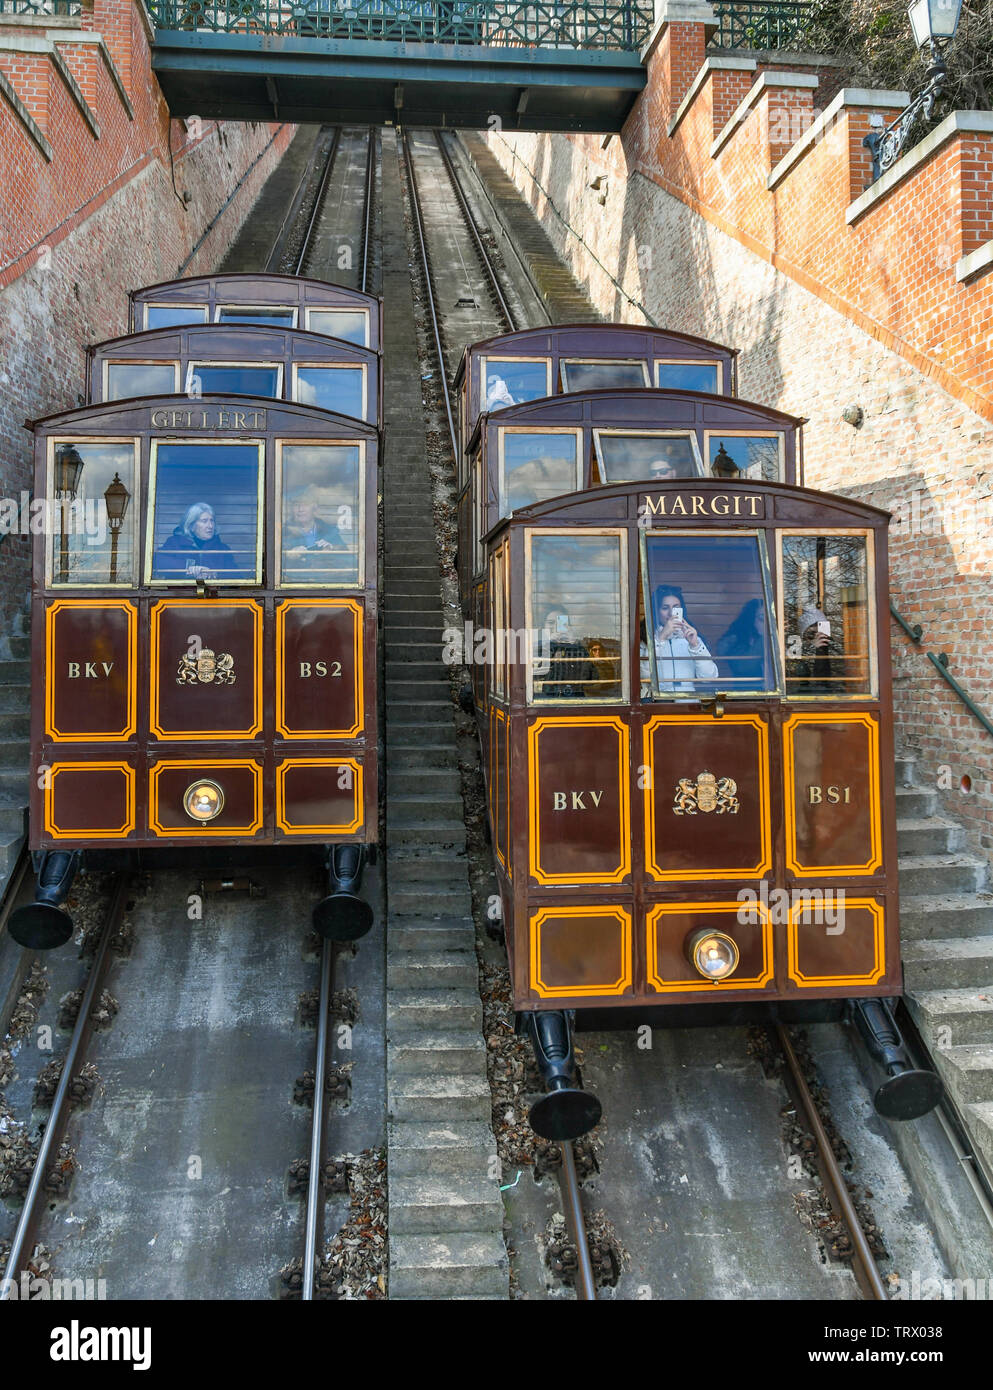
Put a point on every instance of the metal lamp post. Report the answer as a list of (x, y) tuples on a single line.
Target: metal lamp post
[(116, 500), (934, 23), (68, 466)]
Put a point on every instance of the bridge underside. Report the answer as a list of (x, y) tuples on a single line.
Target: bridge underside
[(259, 77)]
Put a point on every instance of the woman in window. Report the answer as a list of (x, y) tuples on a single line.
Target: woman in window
[(195, 550), (682, 659), (743, 646)]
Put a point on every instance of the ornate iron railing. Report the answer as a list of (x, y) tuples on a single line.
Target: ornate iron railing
[(773, 24), (40, 7), (611, 24)]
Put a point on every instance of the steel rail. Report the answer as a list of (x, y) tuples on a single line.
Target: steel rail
[(59, 1114), (315, 211), (315, 1177), (470, 222), (292, 212), (573, 1206), (370, 188), (432, 306), (836, 1180)]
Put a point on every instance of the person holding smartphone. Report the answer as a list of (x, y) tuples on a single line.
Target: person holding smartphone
[(682, 658)]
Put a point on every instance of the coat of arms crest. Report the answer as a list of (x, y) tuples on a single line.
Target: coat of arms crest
[(707, 793), (205, 669)]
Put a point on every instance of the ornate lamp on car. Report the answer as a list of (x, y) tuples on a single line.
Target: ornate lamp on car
[(68, 466), (724, 465), (116, 500), (934, 23)]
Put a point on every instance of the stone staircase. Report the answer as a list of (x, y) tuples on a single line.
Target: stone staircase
[(15, 747), (446, 1212), (946, 916)]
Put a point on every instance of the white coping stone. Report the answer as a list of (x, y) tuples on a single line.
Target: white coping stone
[(978, 122), (678, 12), (980, 259), (848, 96), (715, 63), (764, 81)]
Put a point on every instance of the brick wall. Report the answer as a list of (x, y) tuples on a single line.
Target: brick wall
[(91, 207), (832, 304)]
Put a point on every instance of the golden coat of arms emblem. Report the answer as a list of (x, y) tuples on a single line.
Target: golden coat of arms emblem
[(206, 668), (707, 793)]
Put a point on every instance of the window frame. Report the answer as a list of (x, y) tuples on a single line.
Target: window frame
[(689, 432), (151, 506), (338, 309), (503, 430), (565, 362), (484, 359), (333, 367), (292, 309), (574, 701), (774, 622), (779, 435), (661, 362), (109, 362), (54, 441), (278, 582), (872, 621), (193, 363)]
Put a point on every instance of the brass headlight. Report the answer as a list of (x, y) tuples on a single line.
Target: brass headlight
[(203, 801), (713, 953)]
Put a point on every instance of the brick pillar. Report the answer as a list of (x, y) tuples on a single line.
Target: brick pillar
[(678, 44)]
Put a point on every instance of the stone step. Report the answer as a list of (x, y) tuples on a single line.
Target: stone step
[(436, 1205), (16, 672), (967, 1071), (420, 934), (411, 865), (915, 803), (422, 969), (905, 768), (433, 1148), (967, 1014), (447, 1265), (13, 817), (434, 1008), (404, 663), (15, 698), (417, 712), (407, 734), (412, 634), (15, 725), (15, 754), (440, 785), (426, 756), (420, 1053), (10, 849), (423, 808), (433, 691), (440, 831), (979, 1119), (930, 915), (401, 585), (929, 835), (448, 899), (435, 1098), (13, 785), (20, 647), (949, 963), (940, 873)]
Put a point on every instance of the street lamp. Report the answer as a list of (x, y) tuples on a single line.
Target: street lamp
[(116, 500), (724, 465), (68, 466), (934, 23)]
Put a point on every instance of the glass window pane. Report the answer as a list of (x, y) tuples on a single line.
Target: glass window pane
[(321, 514), (576, 618), (170, 315), (512, 383), (351, 325), (239, 381), (270, 318), (603, 376), (755, 456), (826, 615), (688, 376), (332, 388), (125, 379), (708, 610), (631, 457), (536, 466), (93, 519), (206, 512)]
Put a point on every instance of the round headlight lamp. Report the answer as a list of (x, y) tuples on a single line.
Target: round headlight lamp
[(203, 800), (713, 954)]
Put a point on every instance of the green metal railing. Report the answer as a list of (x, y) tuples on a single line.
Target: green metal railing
[(41, 7), (609, 24), (939, 660), (776, 24)]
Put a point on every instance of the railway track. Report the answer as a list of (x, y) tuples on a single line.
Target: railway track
[(483, 294)]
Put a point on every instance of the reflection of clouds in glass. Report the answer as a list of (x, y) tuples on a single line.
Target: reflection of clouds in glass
[(331, 388), (126, 379), (688, 376), (603, 376), (346, 324)]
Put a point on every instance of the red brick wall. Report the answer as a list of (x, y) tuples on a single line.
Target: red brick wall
[(826, 314), (101, 218)]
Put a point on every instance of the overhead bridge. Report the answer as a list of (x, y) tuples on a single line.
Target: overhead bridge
[(498, 63)]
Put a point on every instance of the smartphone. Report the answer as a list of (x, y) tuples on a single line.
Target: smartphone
[(677, 613), (824, 629)]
